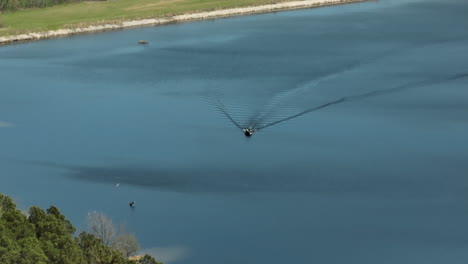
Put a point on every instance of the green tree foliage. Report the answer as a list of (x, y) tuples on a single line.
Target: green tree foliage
[(13, 5), (3, 5), (9, 249), (6, 204), (18, 242), (46, 237), (97, 253), (148, 259), (54, 232), (18, 224), (31, 252)]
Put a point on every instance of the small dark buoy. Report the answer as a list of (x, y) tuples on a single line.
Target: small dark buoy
[(143, 42), (132, 204)]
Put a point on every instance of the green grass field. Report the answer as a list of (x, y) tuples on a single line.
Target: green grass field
[(98, 12)]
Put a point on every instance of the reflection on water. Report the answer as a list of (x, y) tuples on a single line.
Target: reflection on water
[(372, 179)]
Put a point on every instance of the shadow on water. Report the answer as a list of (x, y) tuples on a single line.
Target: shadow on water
[(299, 179)]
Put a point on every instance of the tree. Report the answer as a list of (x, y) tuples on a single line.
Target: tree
[(45, 237), (31, 252), (6, 203), (96, 252), (17, 223), (9, 249), (18, 242), (3, 5), (126, 243), (148, 259), (101, 226), (53, 211), (54, 232)]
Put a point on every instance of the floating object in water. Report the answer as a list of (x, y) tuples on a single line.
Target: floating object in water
[(143, 42), (117, 185), (248, 132), (132, 204)]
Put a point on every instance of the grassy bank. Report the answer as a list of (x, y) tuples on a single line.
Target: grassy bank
[(96, 12)]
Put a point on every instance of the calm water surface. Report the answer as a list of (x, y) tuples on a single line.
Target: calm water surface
[(377, 179)]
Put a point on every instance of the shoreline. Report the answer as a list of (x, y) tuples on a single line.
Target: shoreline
[(303, 4)]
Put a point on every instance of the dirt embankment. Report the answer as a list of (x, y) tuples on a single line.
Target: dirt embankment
[(177, 18)]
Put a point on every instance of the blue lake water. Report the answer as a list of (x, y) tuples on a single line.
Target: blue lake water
[(379, 178)]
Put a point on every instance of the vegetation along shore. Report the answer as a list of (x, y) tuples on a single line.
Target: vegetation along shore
[(75, 17), (46, 237)]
